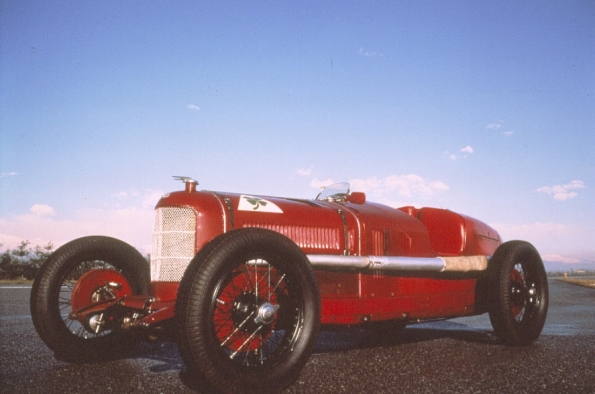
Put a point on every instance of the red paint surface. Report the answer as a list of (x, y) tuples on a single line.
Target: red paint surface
[(357, 227)]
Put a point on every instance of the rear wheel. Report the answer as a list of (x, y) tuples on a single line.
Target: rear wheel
[(248, 313), (518, 293), (82, 273)]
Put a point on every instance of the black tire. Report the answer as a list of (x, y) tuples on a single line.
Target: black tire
[(51, 299), (241, 275), (518, 293)]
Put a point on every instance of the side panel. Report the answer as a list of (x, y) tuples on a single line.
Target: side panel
[(453, 234), (390, 232), (396, 297), (380, 295)]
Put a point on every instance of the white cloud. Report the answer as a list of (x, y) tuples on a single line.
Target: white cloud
[(7, 174), (132, 222), (193, 107), (304, 171), (467, 150), (563, 192), (367, 53), (394, 190), (498, 126), (42, 210), (410, 185)]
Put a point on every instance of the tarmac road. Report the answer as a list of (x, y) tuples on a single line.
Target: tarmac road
[(455, 356)]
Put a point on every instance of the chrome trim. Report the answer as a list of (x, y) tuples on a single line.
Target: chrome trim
[(389, 263), (223, 209), (359, 229), (401, 263), (345, 232), (338, 261)]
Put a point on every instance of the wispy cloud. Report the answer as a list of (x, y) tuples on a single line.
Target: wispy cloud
[(40, 226), (467, 150), (392, 188), (42, 210), (304, 171), (497, 127), (193, 107), (129, 217), (368, 53), (7, 174), (563, 192)]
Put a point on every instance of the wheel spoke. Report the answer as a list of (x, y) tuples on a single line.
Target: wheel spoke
[(246, 321), (279, 282), (246, 341), (238, 328)]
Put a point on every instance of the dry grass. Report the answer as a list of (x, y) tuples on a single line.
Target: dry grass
[(15, 282), (581, 282)]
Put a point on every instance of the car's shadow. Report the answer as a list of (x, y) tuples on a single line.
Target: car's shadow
[(362, 337), (166, 356)]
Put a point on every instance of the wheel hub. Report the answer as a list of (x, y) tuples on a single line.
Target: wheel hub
[(266, 313), (95, 323), (103, 293), (250, 311)]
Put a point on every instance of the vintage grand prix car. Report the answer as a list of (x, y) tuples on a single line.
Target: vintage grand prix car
[(243, 283)]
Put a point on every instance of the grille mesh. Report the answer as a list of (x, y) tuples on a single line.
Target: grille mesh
[(174, 237)]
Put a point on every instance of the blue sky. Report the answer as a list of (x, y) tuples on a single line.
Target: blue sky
[(486, 108)]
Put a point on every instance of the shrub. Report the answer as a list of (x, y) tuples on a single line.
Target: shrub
[(24, 261)]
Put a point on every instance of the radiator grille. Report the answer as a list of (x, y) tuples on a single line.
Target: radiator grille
[(174, 237)]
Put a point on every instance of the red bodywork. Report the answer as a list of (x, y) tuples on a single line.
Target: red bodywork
[(354, 228), (349, 227)]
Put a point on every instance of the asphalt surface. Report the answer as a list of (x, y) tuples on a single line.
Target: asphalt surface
[(455, 356)]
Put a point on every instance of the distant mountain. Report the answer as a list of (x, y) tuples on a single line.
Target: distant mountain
[(556, 266)]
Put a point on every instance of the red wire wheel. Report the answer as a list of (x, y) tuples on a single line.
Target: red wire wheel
[(78, 275), (248, 312)]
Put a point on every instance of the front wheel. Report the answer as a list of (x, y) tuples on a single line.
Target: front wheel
[(248, 313), (518, 293), (82, 273)]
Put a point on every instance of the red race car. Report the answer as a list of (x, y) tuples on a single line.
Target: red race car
[(243, 283)]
